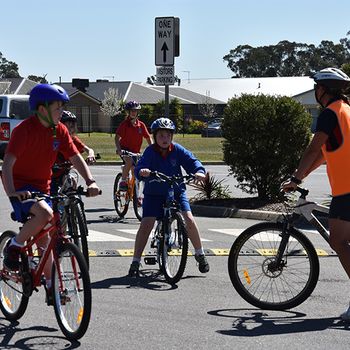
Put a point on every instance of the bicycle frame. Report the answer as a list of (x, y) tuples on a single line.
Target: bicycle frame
[(307, 208)]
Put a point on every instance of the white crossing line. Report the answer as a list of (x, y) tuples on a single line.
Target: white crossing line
[(134, 231), (97, 236), (263, 237)]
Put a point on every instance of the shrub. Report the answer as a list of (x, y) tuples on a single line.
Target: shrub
[(195, 127), (264, 138)]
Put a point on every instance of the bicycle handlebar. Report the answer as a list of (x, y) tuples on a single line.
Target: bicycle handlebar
[(172, 179)]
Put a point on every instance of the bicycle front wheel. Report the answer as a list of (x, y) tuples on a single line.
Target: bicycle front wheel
[(138, 198), (259, 280), (120, 198), (174, 248), (71, 292), (13, 303), (78, 227)]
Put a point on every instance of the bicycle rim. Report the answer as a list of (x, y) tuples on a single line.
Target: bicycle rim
[(138, 199), (121, 198), (72, 292), (174, 250), (13, 303), (263, 284)]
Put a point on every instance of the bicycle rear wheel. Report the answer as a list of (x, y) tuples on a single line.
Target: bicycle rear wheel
[(71, 292), (13, 303), (121, 198), (138, 198), (255, 276), (174, 248), (78, 227)]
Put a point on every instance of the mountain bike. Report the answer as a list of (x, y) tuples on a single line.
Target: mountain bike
[(134, 192), (70, 276), (169, 240), (273, 265)]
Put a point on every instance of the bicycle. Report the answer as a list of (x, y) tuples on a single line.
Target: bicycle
[(273, 265), (134, 192), (71, 208), (169, 240), (70, 276)]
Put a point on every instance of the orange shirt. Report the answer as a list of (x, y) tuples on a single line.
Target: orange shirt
[(338, 161)]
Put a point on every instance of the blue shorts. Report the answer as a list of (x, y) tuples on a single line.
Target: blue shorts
[(152, 206), (22, 208)]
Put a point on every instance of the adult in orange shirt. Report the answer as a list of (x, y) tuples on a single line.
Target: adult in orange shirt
[(331, 144), (128, 137)]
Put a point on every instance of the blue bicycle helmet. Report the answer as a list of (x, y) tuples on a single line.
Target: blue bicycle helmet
[(68, 116), (162, 123), (45, 94), (132, 105)]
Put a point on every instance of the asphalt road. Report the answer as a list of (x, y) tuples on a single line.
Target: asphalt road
[(201, 312)]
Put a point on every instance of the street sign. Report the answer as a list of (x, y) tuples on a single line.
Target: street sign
[(167, 40), (165, 75)]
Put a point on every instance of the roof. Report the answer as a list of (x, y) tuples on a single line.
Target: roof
[(143, 93), (224, 89), (16, 86)]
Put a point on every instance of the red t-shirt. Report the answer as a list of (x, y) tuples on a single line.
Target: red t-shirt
[(36, 150), (132, 135)]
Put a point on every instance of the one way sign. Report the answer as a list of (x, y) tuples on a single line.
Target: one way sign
[(167, 40)]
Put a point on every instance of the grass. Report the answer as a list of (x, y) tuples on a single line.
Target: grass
[(204, 148)]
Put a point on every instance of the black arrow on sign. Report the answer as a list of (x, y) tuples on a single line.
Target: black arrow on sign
[(164, 49)]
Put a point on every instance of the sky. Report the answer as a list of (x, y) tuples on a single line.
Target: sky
[(115, 40)]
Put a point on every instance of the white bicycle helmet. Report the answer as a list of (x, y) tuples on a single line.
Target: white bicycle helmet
[(332, 78)]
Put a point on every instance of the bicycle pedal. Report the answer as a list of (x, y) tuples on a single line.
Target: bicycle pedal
[(150, 260)]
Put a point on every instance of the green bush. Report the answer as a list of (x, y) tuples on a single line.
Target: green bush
[(264, 138), (195, 127)]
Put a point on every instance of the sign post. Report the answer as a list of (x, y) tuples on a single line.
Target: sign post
[(167, 39)]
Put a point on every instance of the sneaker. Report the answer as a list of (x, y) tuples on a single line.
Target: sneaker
[(203, 264), (11, 256), (134, 270), (345, 316), (123, 186)]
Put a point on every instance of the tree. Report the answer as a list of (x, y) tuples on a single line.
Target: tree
[(265, 137), (111, 105), (8, 69), (286, 58), (38, 79)]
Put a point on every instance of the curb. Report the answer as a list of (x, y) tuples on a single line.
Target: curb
[(224, 212)]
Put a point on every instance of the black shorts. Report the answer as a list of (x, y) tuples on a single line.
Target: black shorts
[(340, 207)]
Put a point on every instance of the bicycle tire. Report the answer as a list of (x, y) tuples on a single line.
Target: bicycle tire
[(253, 276), (71, 291), (120, 198), (138, 198), (78, 227), (174, 249), (13, 303)]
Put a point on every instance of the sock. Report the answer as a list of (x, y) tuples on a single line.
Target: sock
[(199, 251), (15, 243)]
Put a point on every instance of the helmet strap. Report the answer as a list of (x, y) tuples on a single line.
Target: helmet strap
[(48, 119)]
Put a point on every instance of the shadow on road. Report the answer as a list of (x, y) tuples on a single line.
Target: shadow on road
[(254, 322)]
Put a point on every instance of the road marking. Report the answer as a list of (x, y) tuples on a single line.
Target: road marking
[(228, 231), (97, 236)]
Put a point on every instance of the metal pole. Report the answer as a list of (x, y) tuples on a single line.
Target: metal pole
[(167, 101)]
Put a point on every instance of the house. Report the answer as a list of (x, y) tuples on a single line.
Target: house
[(86, 98), (299, 88)]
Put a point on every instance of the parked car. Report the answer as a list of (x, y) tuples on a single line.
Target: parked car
[(13, 109), (213, 129)]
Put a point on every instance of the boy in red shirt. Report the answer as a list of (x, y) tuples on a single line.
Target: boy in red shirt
[(128, 137), (29, 157)]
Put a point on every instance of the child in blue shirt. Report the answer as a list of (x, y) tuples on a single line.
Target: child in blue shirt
[(166, 157)]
